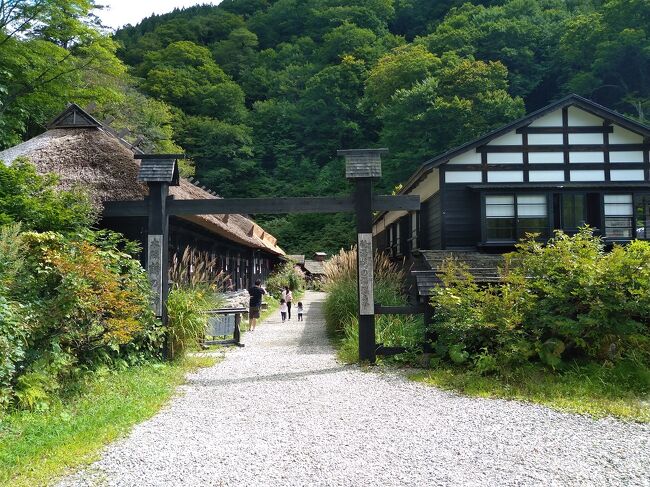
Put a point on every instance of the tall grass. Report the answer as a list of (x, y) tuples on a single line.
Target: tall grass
[(194, 268), (341, 305), (197, 282)]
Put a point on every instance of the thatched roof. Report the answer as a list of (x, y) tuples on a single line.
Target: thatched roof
[(95, 159)]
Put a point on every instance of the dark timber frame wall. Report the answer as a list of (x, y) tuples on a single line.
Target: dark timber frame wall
[(502, 163)]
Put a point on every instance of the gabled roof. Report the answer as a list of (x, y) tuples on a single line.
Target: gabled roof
[(73, 117), (570, 100), (161, 168)]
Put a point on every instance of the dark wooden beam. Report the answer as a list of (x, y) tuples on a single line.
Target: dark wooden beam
[(261, 205), (125, 208), (571, 130), (388, 351), (396, 203), (549, 166), (560, 148), (399, 310)]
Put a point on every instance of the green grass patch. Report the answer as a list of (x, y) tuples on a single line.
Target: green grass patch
[(622, 391), (36, 447)]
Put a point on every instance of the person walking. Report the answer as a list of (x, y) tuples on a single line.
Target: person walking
[(288, 297), (255, 303), (299, 310), (283, 310)]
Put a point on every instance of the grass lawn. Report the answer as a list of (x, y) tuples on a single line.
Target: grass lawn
[(622, 391), (36, 447)]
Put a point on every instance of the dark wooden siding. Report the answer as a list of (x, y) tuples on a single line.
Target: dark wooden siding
[(431, 220), (461, 217)]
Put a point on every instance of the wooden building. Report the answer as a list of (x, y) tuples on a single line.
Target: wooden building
[(86, 153), (570, 163)]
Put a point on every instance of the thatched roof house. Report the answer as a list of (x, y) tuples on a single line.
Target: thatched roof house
[(84, 152)]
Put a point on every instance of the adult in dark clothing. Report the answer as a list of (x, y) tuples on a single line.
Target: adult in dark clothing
[(255, 303)]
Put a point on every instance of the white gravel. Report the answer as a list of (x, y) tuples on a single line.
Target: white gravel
[(283, 412)]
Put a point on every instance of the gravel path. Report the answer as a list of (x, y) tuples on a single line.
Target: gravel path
[(283, 412)]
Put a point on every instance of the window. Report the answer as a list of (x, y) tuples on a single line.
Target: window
[(574, 211), (510, 217), (618, 215), (642, 214), (500, 218), (398, 238), (532, 214), (413, 240)]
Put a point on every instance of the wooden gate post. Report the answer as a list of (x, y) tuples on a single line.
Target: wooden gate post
[(159, 171), (362, 166)]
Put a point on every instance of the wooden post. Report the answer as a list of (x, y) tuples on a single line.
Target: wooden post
[(158, 247), (363, 166)]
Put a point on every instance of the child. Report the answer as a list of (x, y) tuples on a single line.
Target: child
[(299, 310), (283, 310)]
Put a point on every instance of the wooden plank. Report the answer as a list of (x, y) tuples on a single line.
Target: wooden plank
[(388, 351), (125, 208), (396, 203), (398, 310), (597, 129), (560, 148), (261, 205)]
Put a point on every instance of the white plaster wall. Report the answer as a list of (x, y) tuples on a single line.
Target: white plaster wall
[(505, 176), (545, 139), (505, 158), (543, 176), (595, 175), (586, 157), (546, 158), (511, 138), (626, 175), (470, 157), (627, 156), (624, 136), (581, 118), (553, 119), (586, 139), (463, 177)]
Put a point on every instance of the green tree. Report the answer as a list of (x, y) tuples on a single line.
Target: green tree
[(51, 52), (463, 99), (185, 75), (607, 56)]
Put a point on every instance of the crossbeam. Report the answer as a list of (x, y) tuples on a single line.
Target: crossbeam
[(251, 206)]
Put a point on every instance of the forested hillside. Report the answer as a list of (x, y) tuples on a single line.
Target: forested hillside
[(261, 93)]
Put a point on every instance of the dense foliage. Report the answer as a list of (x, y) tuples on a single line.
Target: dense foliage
[(261, 93), (287, 82), (287, 275), (35, 202), (69, 302), (568, 300), (341, 306)]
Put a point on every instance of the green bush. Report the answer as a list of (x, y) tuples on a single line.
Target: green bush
[(69, 305), (285, 275), (35, 202), (568, 299)]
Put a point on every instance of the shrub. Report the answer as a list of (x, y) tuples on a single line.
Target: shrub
[(568, 299), (70, 305), (35, 201), (285, 275)]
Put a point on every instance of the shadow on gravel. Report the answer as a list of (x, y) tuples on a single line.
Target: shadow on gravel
[(289, 376)]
